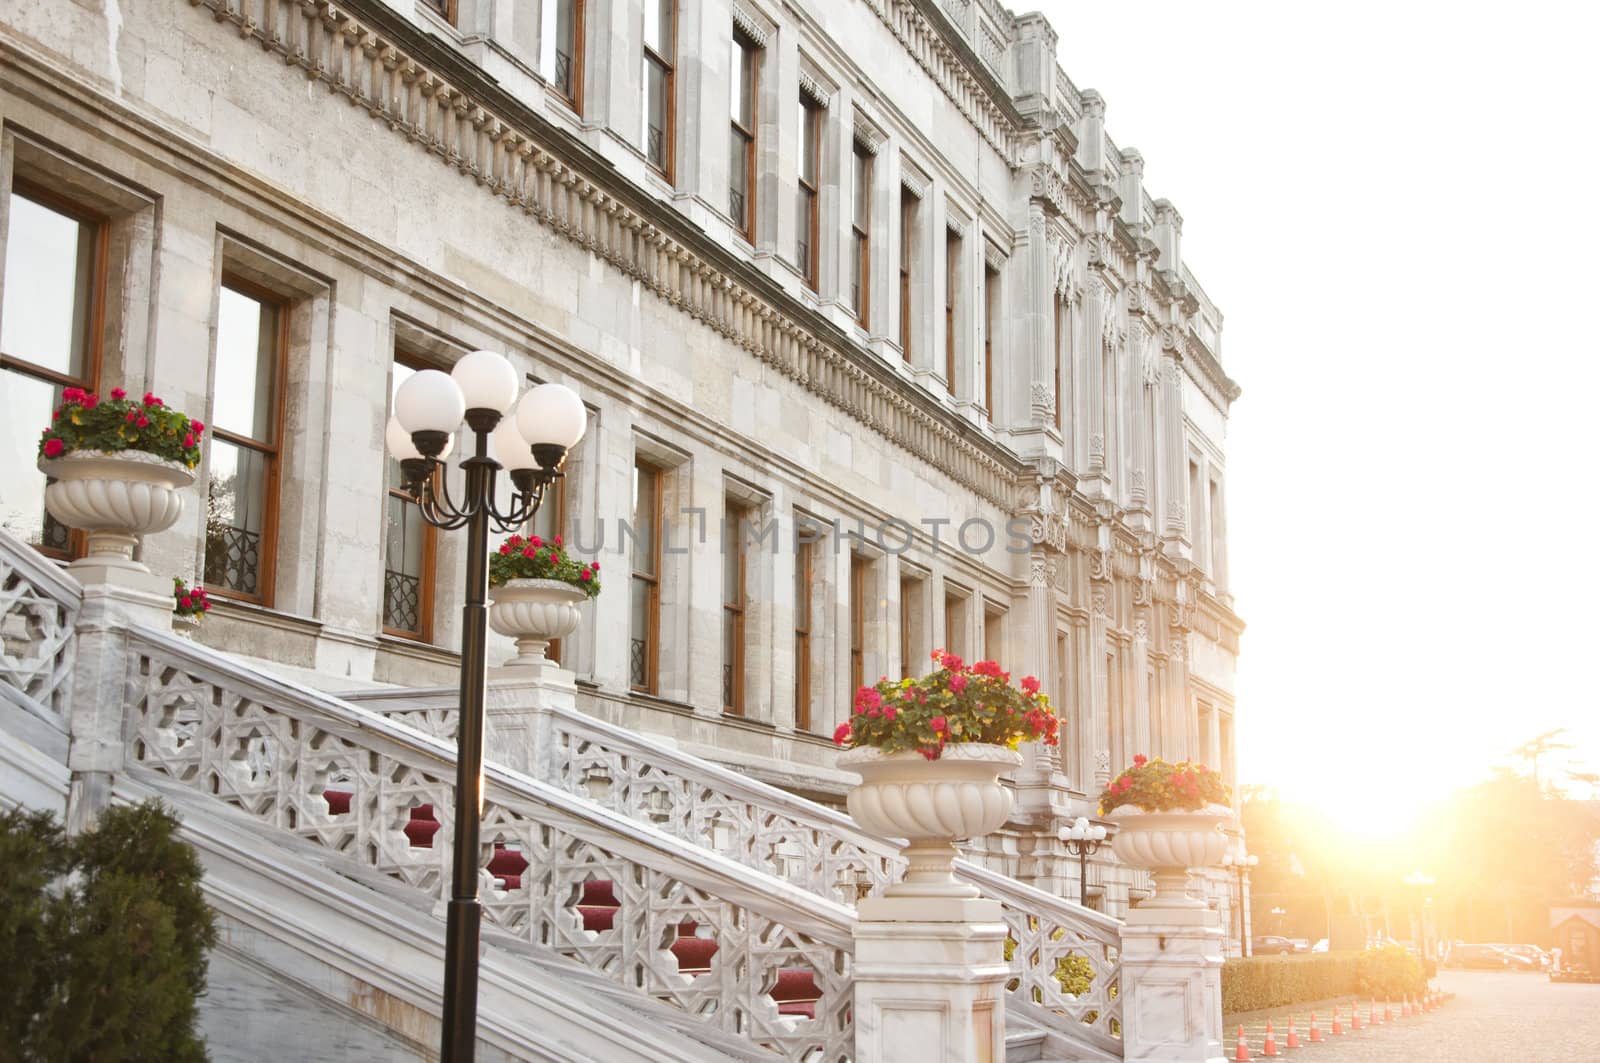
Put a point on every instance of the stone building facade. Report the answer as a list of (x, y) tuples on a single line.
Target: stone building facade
[(868, 280)]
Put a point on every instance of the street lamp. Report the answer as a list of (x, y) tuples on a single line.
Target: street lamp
[(1241, 862), (1419, 884), (429, 409), (1083, 840)]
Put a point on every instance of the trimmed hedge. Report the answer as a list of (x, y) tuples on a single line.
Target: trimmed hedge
[(1263, 982)]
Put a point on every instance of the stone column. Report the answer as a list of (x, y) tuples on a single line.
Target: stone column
[(930, 979), (1173, 452), (518, 708), (1172, 986)]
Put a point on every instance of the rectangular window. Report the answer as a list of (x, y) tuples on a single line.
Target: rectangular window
[(446, 9), (1225, 747), (645, 607), (742, 143), (860, 227), (408, 549), (807, 225), (955, 614), (1214, 511), (994, 624), (1206, 754), (660, 55), (1119, 752), (908, 228), (912, 641), (1061, 330), (733, 596), (952, 288), (804, 562), (49, 340), (1196, 512), (858, 622), (991, 292), (561, 48), (246, 420)]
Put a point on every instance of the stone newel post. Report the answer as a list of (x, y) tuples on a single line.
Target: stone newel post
[(521, 700), (1172, 986), (930, 979)]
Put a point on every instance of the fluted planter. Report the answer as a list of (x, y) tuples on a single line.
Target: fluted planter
[(186, 625), (117, 497), (534, 612), (1171, 846), (933, 804)]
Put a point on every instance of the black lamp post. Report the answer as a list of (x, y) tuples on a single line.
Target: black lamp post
[(429, 409), (1241, 862), (1083, 839)]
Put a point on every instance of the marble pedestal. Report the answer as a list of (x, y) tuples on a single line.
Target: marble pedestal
[(518, 707), (1172, 986), (930, 979)]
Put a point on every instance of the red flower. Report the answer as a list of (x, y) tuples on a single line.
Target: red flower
[(143, 421), (187, 603), (595, 566), (505, 548), (53, 448), (151, 400), (71, 394), (931, 754), (204, 606), (936, 654), (55, 415), (989, 668), (91, 401), (1030, 685), (118, 394), (197, 427), (557, 540), (528, 551), (890, 713), (874, 713), (1140, 760), (585, 576), (188, 440), (958, 683), (842, 735), (535, 540), (950, 662), (938, 723), (133, 415)]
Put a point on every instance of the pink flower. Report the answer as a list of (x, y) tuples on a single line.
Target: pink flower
[(958, 683), (204, 606), (528, 551), (188, 440), (535, 540), (936, 654), (196, 427), (931, 754), (133, 415), (71, 394), (186, 602), (890, 713), (989, 668), (842, 735), (118, 393), (874, 713), (585, 576), (1030, 685), (143, 421), (1140, 760), (151, 400), (595, 566), (53, 448), (91, 401), (938, 723), (950, 662), (557, 540), (505, 548)]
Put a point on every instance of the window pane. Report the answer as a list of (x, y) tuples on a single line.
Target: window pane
[(858, 258), (639, 634), (25, 406), (247, 339), (730, 632), (565, 45), (655, 113), (402, 577), (808, 143), (741, 81), (862, 186), (731, 554), (658, 27), (644, 519), (49, 276), (802, 252), (235, 517), (737, 176)]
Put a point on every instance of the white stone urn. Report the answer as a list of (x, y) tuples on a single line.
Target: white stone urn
[(1171, 846), (117, 497), (534, 611), (185, 624), (933, 804)]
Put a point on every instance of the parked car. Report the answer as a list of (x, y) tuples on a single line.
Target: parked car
[(1537, 959), (1271, 945), (1486, 958)]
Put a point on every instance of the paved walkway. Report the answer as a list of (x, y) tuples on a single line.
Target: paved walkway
[(1493, 1018)]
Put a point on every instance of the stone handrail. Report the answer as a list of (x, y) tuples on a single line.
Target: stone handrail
[(1056, 944), (380, 793), (38, 611)]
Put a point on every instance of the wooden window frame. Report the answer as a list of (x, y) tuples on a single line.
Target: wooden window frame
[(747, 224), (861, 235), (811, 117), (858, 618), (575, 60), (430, 544), (733, 610), (449, 10), (908, 210), (804, 572), (669, 135), (266, 577), (953, 605), (652, 580), (952, 262), (906, 655), (94, 325), (991, 285)]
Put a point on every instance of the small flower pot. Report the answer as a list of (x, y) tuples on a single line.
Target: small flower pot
[(1171, 846), (185, 624), (117, 497), (534, 612), (933, 804)]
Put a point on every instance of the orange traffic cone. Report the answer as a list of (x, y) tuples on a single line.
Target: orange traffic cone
[(1291, 1041), (1405, 1008), (1355, 1017), (1242, 1051), (1315, 1035), (1372, 1014), (1269, 1047), (1388, 1016)]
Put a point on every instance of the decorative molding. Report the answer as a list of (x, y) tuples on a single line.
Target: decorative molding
[(993, 257), (955, 221), (755, 26), (812, 86), (509, 159), (866, 133)]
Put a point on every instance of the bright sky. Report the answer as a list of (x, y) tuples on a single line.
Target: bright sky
[(1393, 204)]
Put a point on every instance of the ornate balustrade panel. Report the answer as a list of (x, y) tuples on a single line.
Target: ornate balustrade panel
[(38, 611), (354, 783)]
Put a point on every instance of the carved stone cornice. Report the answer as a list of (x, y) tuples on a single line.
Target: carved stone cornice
[(433, 97)]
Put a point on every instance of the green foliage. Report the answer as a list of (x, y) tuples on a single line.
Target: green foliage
[(1157, 786), (533, 558), (1262, 982), (954, 703), (1391, 973), (84, 422), (103, 938)]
